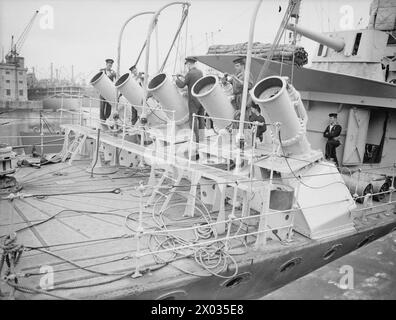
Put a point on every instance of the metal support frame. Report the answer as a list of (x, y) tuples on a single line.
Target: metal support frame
[(152, 25), (122, 33)]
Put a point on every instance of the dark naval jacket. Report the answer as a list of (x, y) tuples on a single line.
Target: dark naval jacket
[(191, 77), (333, 133)]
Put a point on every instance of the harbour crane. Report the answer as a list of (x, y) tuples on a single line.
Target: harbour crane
[(16, 47)]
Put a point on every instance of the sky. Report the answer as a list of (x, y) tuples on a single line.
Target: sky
[(83, 33)]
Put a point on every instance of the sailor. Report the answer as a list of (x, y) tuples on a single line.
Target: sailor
[(194, 106), (135, 75), (259, 121), (332, 132), (237, 82), (105, 107)]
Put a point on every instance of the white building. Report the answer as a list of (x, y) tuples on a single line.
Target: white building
[(13, 80)]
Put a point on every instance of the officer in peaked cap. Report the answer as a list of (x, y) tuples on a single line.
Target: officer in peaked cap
[(193, 74)]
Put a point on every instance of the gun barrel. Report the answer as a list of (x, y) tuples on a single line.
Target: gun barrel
[(334, 43)]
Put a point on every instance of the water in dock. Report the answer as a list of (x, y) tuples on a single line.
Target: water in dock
[(374, 276)]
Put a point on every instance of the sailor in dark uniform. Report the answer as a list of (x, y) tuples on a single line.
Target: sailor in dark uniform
[(332, 133), (194, 106), (237, 81), (105, 107)]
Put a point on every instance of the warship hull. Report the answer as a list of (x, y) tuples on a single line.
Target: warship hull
[(267, 271)]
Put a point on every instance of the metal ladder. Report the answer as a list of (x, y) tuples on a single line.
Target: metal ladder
[(74, 148)]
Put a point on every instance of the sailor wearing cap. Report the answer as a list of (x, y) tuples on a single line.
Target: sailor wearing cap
[(105, 107), (332, 132), (237, 82), (194, 105), (137, 76)]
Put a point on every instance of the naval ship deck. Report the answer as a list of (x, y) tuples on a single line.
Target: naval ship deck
[(79, 236), (85, 229)]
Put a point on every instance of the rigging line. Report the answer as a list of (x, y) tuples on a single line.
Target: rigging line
[(140, 53), (79, 201), (186, 38), (115, 191), (278, 37), (177, 35), (281, 66), (88, 214), (75, 176), (30, 290), (294, 55), (73, 263), (40, 174), (177, 50), (128, 274), (30, 274), (59, 220)]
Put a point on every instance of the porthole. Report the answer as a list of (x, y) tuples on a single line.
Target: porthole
[(287, 217), (366, 240), (332, 251), (213, 186), (173, 295), (237, 280), (168, 298), (204, 193), (290, 264)]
